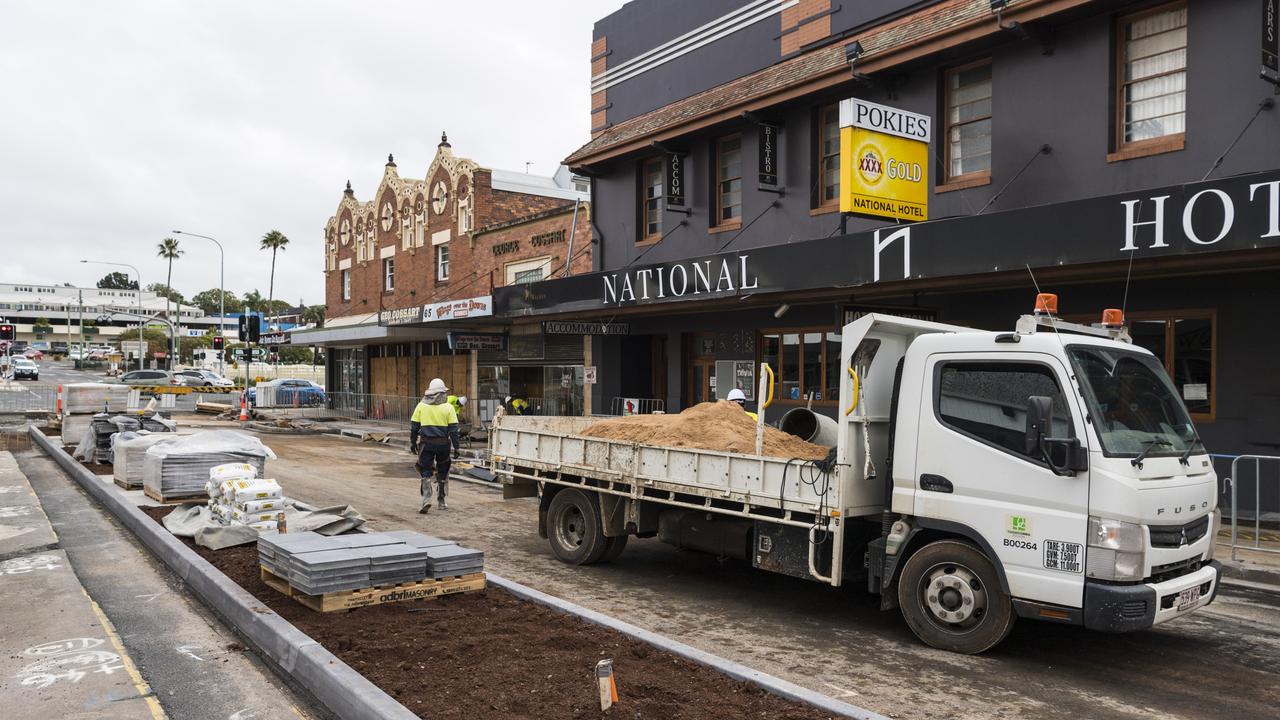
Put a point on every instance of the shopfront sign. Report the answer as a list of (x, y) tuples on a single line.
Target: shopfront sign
[(547, 238), (458, 309), (850, 313), (506, 247), (401, 316), (1271, 41), (884, 161), (273, 338), (476, 341), (556, 327), (1238, 214), (767, 154), (673, 183)]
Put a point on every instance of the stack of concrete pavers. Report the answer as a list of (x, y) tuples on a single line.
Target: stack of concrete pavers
[(316, 564), (449, 560)]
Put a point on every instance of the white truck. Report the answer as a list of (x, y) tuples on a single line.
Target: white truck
[(1049, 473)]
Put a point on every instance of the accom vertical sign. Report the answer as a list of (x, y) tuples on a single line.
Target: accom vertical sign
[(884, 161)]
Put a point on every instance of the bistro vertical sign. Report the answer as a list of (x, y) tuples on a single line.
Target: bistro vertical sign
[(767, 154)]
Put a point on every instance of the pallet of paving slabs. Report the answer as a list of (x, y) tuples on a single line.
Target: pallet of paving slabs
[(352, 599), (181, 500)]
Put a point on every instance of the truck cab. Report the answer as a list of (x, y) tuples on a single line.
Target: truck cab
[(1049, 473)]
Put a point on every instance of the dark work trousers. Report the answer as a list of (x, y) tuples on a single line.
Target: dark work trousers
[(434, 457)]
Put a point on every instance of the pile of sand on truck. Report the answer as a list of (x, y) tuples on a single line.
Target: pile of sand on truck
[(721, 426)]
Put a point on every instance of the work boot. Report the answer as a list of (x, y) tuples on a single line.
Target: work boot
[(426, 505), (443, 505)]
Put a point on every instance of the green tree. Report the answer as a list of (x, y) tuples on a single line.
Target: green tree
[(314, 314), (291, 355), (42, 327), (253, 300), (275, 241), (157, 340), (169, 250), (117, 281), (165, 291), (207, 301)]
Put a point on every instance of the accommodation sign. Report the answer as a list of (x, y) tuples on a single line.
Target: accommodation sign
[(884, 161), (673, 183), (557, 327)]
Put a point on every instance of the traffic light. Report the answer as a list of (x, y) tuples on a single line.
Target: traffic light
[(8, 332), (249, 327), (219, 342)]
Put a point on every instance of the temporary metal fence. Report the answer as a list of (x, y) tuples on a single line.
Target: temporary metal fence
[(23, 397), (392, 409), (1263, 467), (637, 406)]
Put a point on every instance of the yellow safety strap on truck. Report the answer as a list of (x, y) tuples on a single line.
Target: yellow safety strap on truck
[(769, 371), (857, 390)]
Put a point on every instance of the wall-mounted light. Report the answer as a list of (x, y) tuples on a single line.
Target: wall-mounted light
[(782, 310)]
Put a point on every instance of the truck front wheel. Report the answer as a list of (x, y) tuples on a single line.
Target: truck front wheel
[(951, 598), (574, 528)]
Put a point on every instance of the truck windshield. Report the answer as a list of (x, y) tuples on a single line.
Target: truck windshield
[(1132, 402)]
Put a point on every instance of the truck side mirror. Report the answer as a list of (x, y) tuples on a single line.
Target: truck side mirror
[(1039, 417), (1064, 456)]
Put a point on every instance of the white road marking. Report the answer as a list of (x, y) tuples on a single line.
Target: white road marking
[(186, 650), (149, 596), (843, 692)]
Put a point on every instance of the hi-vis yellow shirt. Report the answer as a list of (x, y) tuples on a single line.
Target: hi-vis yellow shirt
[(435, 420)]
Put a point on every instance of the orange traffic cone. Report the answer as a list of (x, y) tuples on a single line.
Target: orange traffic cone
[(244, 412)]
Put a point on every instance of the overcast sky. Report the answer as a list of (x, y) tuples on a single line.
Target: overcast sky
[(126, 120)]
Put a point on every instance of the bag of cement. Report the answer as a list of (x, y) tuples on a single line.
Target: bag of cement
[(260, 506), (244, 518), (244, 491), (181, 468), (232, 471), (80, 398), (130, 449), (265, 526)]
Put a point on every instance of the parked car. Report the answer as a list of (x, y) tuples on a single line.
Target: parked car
[(18, 347), (24, 368), (58, 347), (33, 354), (287, 389), (202, 378), (147, 377), (97, 354)]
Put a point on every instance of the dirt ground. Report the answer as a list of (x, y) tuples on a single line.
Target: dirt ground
[(720, 425), (494, 656)]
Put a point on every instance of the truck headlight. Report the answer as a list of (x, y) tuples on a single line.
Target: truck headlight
[(1116, 550)]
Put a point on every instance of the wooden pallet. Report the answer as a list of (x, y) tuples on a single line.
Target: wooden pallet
[(351, 599), (185, 500), (125, 485)]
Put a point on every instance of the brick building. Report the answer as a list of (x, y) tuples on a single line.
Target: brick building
[(417, 262)]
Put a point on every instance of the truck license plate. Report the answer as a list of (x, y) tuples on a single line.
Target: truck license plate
[(1188, 597)]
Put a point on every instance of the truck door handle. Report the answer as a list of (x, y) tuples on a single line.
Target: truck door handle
[(935, 483)]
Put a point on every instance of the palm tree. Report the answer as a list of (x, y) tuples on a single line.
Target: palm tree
[(168, 249), (274, 241)]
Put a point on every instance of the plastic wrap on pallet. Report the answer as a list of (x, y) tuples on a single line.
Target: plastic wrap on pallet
[(74, 427), (90, 398), (181, 468), (130, 449)]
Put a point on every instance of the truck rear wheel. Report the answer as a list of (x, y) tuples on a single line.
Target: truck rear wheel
[(951, 598), (615, 548), (574, 528)]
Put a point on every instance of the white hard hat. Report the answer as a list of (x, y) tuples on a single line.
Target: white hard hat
[(462, 400), (436, 386), (737, 395)]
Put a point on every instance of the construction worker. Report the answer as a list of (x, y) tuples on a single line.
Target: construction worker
[(516, 406), (432, 429), (458, 402), (739, 397)]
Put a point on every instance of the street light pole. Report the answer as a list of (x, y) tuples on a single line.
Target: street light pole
[(222, 292), (142, 353)]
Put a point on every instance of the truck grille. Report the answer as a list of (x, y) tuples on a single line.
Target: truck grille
[(1175, 536), (1133, 609)]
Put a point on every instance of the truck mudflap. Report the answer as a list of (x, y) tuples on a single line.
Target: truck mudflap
[(1125, 608)]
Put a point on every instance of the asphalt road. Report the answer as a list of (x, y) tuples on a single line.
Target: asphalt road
[(1217, 663)]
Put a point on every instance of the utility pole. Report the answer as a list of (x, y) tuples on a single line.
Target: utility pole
[(81, 301)]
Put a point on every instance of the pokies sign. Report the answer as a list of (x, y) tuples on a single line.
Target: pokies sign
[(884, 161)]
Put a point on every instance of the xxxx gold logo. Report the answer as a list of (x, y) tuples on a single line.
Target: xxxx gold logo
[(870, 164)]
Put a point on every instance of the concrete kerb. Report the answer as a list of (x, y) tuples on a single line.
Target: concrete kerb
[(737, 671), (346, 693)]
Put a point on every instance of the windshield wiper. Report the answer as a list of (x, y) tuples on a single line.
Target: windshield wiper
[(1185, 458), (1151, 445)]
